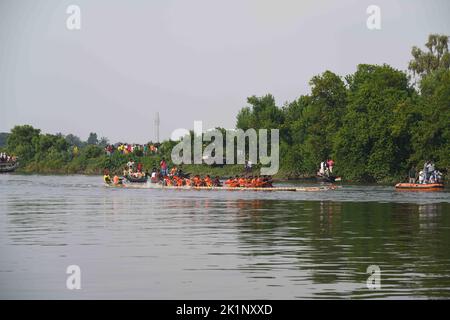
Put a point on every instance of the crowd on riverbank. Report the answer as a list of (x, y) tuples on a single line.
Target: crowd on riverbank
[(129, 148)]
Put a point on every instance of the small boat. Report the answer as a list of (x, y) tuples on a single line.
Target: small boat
[(420, 186), (328, 178), (136, 180), (8, 166)]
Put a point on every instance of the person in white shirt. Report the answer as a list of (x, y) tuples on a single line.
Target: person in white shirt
[(421, 177)]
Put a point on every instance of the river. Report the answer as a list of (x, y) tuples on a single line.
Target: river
[(172, 244)]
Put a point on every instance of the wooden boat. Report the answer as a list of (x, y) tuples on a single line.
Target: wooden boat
[(328, 178), (418, 186), (159, 186), (8, 166), (137, 180)]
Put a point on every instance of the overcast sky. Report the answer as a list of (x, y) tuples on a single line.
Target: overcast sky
[(188, 59)]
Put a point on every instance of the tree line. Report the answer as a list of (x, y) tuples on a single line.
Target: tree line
[(375, 123)]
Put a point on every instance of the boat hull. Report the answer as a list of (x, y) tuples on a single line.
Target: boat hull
[(158, 186), (137, 180), (8, 167), (330, 179), (417, 186)]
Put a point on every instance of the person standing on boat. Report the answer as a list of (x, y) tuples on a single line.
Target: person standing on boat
[(130, 164), (438, 176), (322, 168), (163, 166), (330, 164), (430, 170), (412, 174), (421, 177), (425, 171)]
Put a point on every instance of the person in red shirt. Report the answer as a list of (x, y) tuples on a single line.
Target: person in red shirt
[(330, 164), (163, 166)]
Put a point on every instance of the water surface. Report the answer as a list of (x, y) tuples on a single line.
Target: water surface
[(172, 244)]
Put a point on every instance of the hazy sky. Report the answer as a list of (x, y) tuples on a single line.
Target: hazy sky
[(188, 59)]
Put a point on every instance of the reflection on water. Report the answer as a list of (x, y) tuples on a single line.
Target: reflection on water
[(200, 244)]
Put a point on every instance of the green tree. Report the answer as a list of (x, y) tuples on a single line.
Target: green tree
[(322, 118), (92, 139), (3, 138), (103, 142), (431, 133), (73, 140), (437, 56), (261, 114), (21, 141), (366, 146)]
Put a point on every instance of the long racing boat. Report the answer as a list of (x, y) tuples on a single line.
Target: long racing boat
[(160, 186)]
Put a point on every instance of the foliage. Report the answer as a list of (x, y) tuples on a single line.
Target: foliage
[(92, 139), (437, 57), (3, 139), (374, 124)]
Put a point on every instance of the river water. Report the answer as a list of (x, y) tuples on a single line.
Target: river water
[(173, 244)]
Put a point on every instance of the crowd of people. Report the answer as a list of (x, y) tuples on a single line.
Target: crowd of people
[(429, 174), (125, 148), (176, 177), (249, 182), (134, 170), (5, 158), (326, 168), (179, 180)]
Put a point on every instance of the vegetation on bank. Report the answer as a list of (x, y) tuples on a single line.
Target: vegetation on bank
[(375, 123)]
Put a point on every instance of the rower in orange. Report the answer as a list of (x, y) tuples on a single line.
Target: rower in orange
[(167, 181), (207, 181)]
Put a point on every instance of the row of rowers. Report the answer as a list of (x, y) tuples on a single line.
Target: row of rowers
[(207, 181)]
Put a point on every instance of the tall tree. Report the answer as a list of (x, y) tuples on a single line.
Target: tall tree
[(73, 140), (21, 141), (366, 147), (431, 133), (262, 113), (3, 138), (436, 57), (92, 139)]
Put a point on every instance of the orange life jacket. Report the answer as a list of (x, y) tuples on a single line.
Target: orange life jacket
[(259, 182), (168, 181), (234, 183), (208, 182)]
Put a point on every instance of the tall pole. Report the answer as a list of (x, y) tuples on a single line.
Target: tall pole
[(156, 127)]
